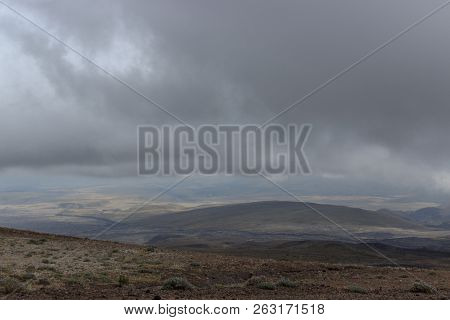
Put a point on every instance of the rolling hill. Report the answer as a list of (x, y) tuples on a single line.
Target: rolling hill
[(433, 216), (230, 226), (277, 216)]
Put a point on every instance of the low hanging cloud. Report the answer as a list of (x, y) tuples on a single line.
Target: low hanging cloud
[(229, 62)]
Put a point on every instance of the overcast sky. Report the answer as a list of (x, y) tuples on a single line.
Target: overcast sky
[(384, 124)]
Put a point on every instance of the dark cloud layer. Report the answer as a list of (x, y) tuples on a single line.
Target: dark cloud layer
[(230, 62)]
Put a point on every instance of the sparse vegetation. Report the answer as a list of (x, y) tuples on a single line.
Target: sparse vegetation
[(43, 282), (47, 268), (260, 282), (177, 283), (266, 285), (421, 287), (26, 276), (167, 274), (37, 241), (72, 281), (30, 268), (123, 280), (254, 281), (9, 285), (144, 270), (285, 282), (357, 289)]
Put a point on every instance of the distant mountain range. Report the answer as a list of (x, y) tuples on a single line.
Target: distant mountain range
[(434, 216), (278, 216), (236, 224), (267, 222)]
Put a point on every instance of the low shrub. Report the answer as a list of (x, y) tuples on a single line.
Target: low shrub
[(177, 283), (421, 287), (123, 280), (285, 282), (266, 285), (37, 241), (357, 289), (43, 282), (254, 281)]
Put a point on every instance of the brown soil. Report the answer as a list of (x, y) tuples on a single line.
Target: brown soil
[(40, 266)]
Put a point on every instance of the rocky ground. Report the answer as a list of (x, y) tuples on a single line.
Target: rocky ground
[(40, 266)]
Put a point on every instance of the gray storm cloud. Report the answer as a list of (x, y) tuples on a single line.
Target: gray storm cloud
[(230, 62)]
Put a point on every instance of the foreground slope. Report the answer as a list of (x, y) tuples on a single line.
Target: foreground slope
[(40, 266)]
